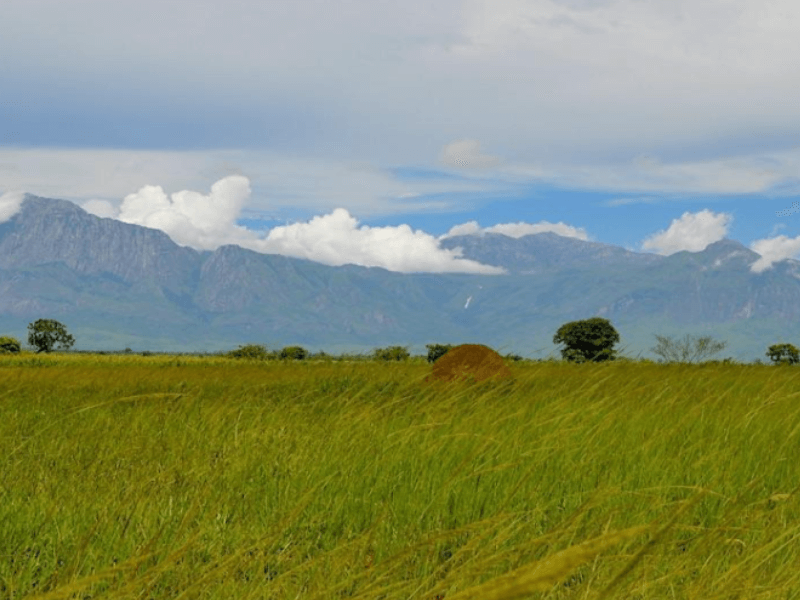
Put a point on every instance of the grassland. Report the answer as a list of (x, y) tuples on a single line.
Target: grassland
[(178, 477)]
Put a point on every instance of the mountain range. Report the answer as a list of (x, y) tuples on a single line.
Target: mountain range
[(116, 285)]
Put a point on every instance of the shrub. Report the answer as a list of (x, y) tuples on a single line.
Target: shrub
[(392, 353), (588, 340), (681, 352), (9, 345), (250, 351), (294, 353), (514, 357), (783, 354), (436, 351)]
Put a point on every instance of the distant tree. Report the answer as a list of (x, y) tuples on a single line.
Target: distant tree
[(9, 345), (437, 351), (514, 357), (391, 353), (44, 334), (588, 340), (681, 352), (250, 351), (784, 354), (294, 353)]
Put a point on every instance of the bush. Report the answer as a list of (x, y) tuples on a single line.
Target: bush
[(437, 351), (250, 351), (9, 345), (514, 357), (783, 354), (294, 353), (681, 352), (392, 353), (588, 340)]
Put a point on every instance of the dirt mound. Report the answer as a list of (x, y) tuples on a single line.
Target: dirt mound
[(469, 359)]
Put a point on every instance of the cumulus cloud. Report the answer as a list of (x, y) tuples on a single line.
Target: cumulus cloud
[(774, 250), (10, 203), (336, 239), (466, 154), (206, 222), (517, 230), (692, 232), (190, 218)]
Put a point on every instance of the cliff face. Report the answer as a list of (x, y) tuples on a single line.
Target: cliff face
[(51, 231)]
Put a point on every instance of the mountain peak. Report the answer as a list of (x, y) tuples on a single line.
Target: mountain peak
[(36, 204)]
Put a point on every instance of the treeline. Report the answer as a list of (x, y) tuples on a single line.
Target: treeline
[(589, 340)]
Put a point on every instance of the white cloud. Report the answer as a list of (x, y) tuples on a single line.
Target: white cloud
[(312, 185), (10, 203), (517, 230), (692, 232), (466, 154), (206, 222), (774, 250), (190, 218), (565, 82), (335, 239), (726, 176)]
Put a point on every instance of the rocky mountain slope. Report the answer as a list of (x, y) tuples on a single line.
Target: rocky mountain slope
[(117, 285)]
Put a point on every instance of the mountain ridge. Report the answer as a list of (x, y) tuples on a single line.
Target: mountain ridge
[(118, 285)]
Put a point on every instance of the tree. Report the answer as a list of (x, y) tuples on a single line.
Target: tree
[(784, 354), (45, 333), (672, 351), (294, 353), (9, 345), (250, 351), (437, 351), (588, 340), (391, 353)]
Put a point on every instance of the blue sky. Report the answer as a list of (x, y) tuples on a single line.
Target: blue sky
[(363, 134)]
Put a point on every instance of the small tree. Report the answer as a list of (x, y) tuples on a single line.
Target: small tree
[(294, 353), (9, 345), (437, 351), (672, 351), (250, 351), (588, 340), (392, 353), (784, 354), (46, 333)]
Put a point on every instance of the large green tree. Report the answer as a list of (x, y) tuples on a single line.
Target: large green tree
[(44, 334), (588, 340)]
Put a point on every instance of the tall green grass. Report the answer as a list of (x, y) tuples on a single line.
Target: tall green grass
[(181, 477)]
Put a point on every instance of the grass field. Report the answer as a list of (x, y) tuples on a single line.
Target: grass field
[(179, 477)]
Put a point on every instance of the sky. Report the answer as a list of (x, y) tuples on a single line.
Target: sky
[(367, 131)]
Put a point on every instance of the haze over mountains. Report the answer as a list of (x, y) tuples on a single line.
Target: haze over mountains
[(116, 285)]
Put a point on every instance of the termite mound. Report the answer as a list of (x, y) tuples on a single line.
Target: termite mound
[(469, 360)]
